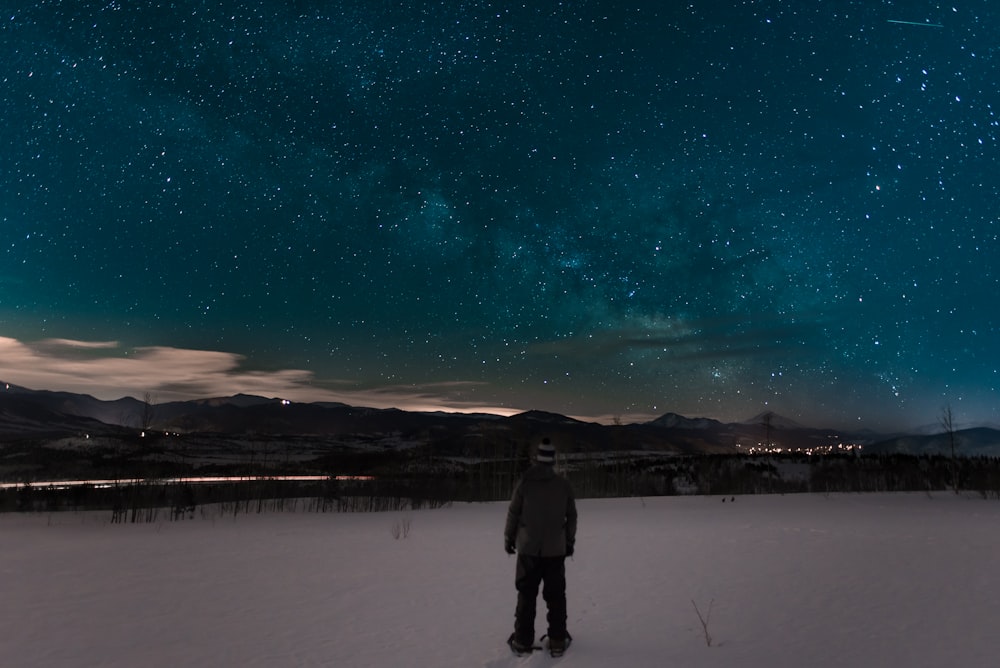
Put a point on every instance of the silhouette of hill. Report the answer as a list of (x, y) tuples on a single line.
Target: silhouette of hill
[(36, 413), (22, 416), (978, 441)]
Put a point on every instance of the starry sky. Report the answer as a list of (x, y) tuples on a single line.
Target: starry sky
[(609, 210)]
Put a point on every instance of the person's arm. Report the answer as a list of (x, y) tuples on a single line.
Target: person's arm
[(570, 521), (513, 520)]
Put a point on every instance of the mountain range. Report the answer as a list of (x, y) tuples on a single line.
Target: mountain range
[(42, 415)]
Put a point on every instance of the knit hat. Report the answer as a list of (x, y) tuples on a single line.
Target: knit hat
[(546, 453)]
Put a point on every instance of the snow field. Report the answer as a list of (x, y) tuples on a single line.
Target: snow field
[(799, 580)]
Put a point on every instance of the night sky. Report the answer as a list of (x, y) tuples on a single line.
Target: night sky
[(609, 210)]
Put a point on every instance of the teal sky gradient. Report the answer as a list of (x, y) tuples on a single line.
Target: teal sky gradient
[(601, 209)]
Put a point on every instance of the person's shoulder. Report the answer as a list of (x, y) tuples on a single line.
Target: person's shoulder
[(537, 472), (565, 482)]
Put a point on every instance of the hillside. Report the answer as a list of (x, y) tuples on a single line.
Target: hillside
[(58, 435)]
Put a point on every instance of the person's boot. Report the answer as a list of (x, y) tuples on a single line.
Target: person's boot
[(517, 646), (557, 646)]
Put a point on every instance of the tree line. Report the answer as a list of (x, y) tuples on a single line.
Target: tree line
[(417, 479)]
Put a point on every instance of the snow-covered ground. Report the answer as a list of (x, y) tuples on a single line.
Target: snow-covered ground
[(792, 581)]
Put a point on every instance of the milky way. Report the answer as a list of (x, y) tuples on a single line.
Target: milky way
[(608, 210)]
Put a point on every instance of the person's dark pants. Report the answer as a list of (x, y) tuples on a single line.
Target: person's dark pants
[(532, 571)]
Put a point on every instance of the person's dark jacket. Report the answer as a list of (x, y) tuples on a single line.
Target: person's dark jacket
[(541, 518)]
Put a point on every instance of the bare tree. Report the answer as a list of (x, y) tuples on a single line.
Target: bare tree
[(147, 412), (948, 424), (767, 417)]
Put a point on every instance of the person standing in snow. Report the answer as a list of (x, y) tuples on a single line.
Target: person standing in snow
[(541, 529)]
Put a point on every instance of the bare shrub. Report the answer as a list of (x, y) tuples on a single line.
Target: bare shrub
[(705, 620), (400, 528)]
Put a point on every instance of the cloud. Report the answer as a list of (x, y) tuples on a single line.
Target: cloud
[(691, 341), (70, 343), (107, 371), (448, 396)]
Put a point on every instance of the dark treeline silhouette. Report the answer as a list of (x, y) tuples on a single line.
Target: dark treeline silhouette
[(415, 479), (148, 501), (787, 474)]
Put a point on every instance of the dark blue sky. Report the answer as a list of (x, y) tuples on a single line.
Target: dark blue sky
[(602, 209)]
